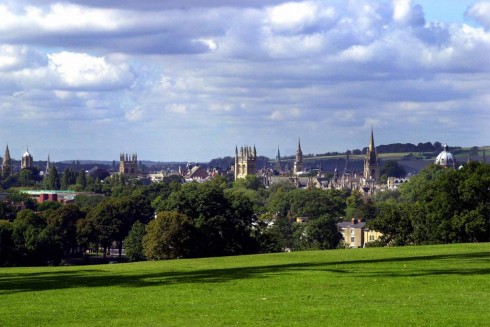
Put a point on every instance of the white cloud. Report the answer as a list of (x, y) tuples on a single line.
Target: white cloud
[(232, 70), (481, 12), (79, 70), (292, 16)]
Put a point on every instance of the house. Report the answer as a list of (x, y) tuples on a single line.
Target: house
[(356, 234)]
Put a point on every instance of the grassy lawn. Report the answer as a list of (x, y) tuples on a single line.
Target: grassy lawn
[(445, 285)]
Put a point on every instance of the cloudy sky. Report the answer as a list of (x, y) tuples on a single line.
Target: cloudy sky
[(187, 80)]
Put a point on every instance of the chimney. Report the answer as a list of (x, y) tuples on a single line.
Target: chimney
[(353, 221)]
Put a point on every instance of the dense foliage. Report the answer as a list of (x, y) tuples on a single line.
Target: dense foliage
[(172, 219), (438, 206)]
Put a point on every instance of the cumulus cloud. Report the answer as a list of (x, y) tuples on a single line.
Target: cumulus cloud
[(480, 11), (80, 70), (243, 71)]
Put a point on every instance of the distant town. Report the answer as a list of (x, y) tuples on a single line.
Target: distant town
[(354, 169)]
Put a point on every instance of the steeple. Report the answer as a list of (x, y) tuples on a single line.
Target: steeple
[(371, 141), (372, 166), (277, 166), (48, 166), (298, 163), (7, 163)]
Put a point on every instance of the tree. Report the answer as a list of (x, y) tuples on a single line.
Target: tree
[(394, 221), (391, 168), (68, 178), (222, 228), (63, 223), (112, 218), (26, 177), (323, 233), (7, 211), (133, 243), (51, 179), (33, 240), (81, 179), (250, 182), (168, 236), (7, 246)]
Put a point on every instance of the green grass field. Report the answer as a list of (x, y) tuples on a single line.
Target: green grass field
[(445, 285)]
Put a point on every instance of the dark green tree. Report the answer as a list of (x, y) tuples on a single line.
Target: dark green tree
[(51, 179), (133, 243), (168, 236), (63, 222), (7, 247)]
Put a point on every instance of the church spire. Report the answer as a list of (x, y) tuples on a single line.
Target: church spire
[(48, 166), (298, 163), (7, 163), (371, 141), (371, 162)]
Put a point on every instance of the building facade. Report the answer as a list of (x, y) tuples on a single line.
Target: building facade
[(245, 162), (27, 160), (128, 164)]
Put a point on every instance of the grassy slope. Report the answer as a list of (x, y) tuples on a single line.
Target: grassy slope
[(424, 286)]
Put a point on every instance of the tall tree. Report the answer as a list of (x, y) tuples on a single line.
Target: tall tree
[(51, 179), (168, 236)]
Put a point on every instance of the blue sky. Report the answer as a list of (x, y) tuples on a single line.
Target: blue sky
[(187, 80)]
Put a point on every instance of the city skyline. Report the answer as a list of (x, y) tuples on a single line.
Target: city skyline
[(189, 80)]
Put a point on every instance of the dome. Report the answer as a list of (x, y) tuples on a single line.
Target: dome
[(26, 154), (445, 158)]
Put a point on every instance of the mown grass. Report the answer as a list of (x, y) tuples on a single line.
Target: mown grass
[(445, 285)]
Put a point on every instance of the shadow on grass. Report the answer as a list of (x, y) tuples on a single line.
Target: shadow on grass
[(83, 277)]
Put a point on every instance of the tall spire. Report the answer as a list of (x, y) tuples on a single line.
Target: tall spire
[(48, 166), (371, 162), (298, 163), (7, 163), (371, 142)]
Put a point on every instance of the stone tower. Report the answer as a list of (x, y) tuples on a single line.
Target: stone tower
[(245, 162), (27, 160), (372, 166), (298, 162), (128, 164), (6, 164)]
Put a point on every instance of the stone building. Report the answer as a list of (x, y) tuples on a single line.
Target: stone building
[(372, 167), (128, 164), (27, 160), (445, 158), (298, 162), (245, 162)]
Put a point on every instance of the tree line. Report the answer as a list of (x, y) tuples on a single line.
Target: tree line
[(172, 219)]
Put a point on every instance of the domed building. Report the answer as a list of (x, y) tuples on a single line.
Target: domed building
[(445, 158), (27, 160)]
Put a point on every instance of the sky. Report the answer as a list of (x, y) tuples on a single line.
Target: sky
[(188, 80)]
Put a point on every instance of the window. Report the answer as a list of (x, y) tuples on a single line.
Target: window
[(352, 239)]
